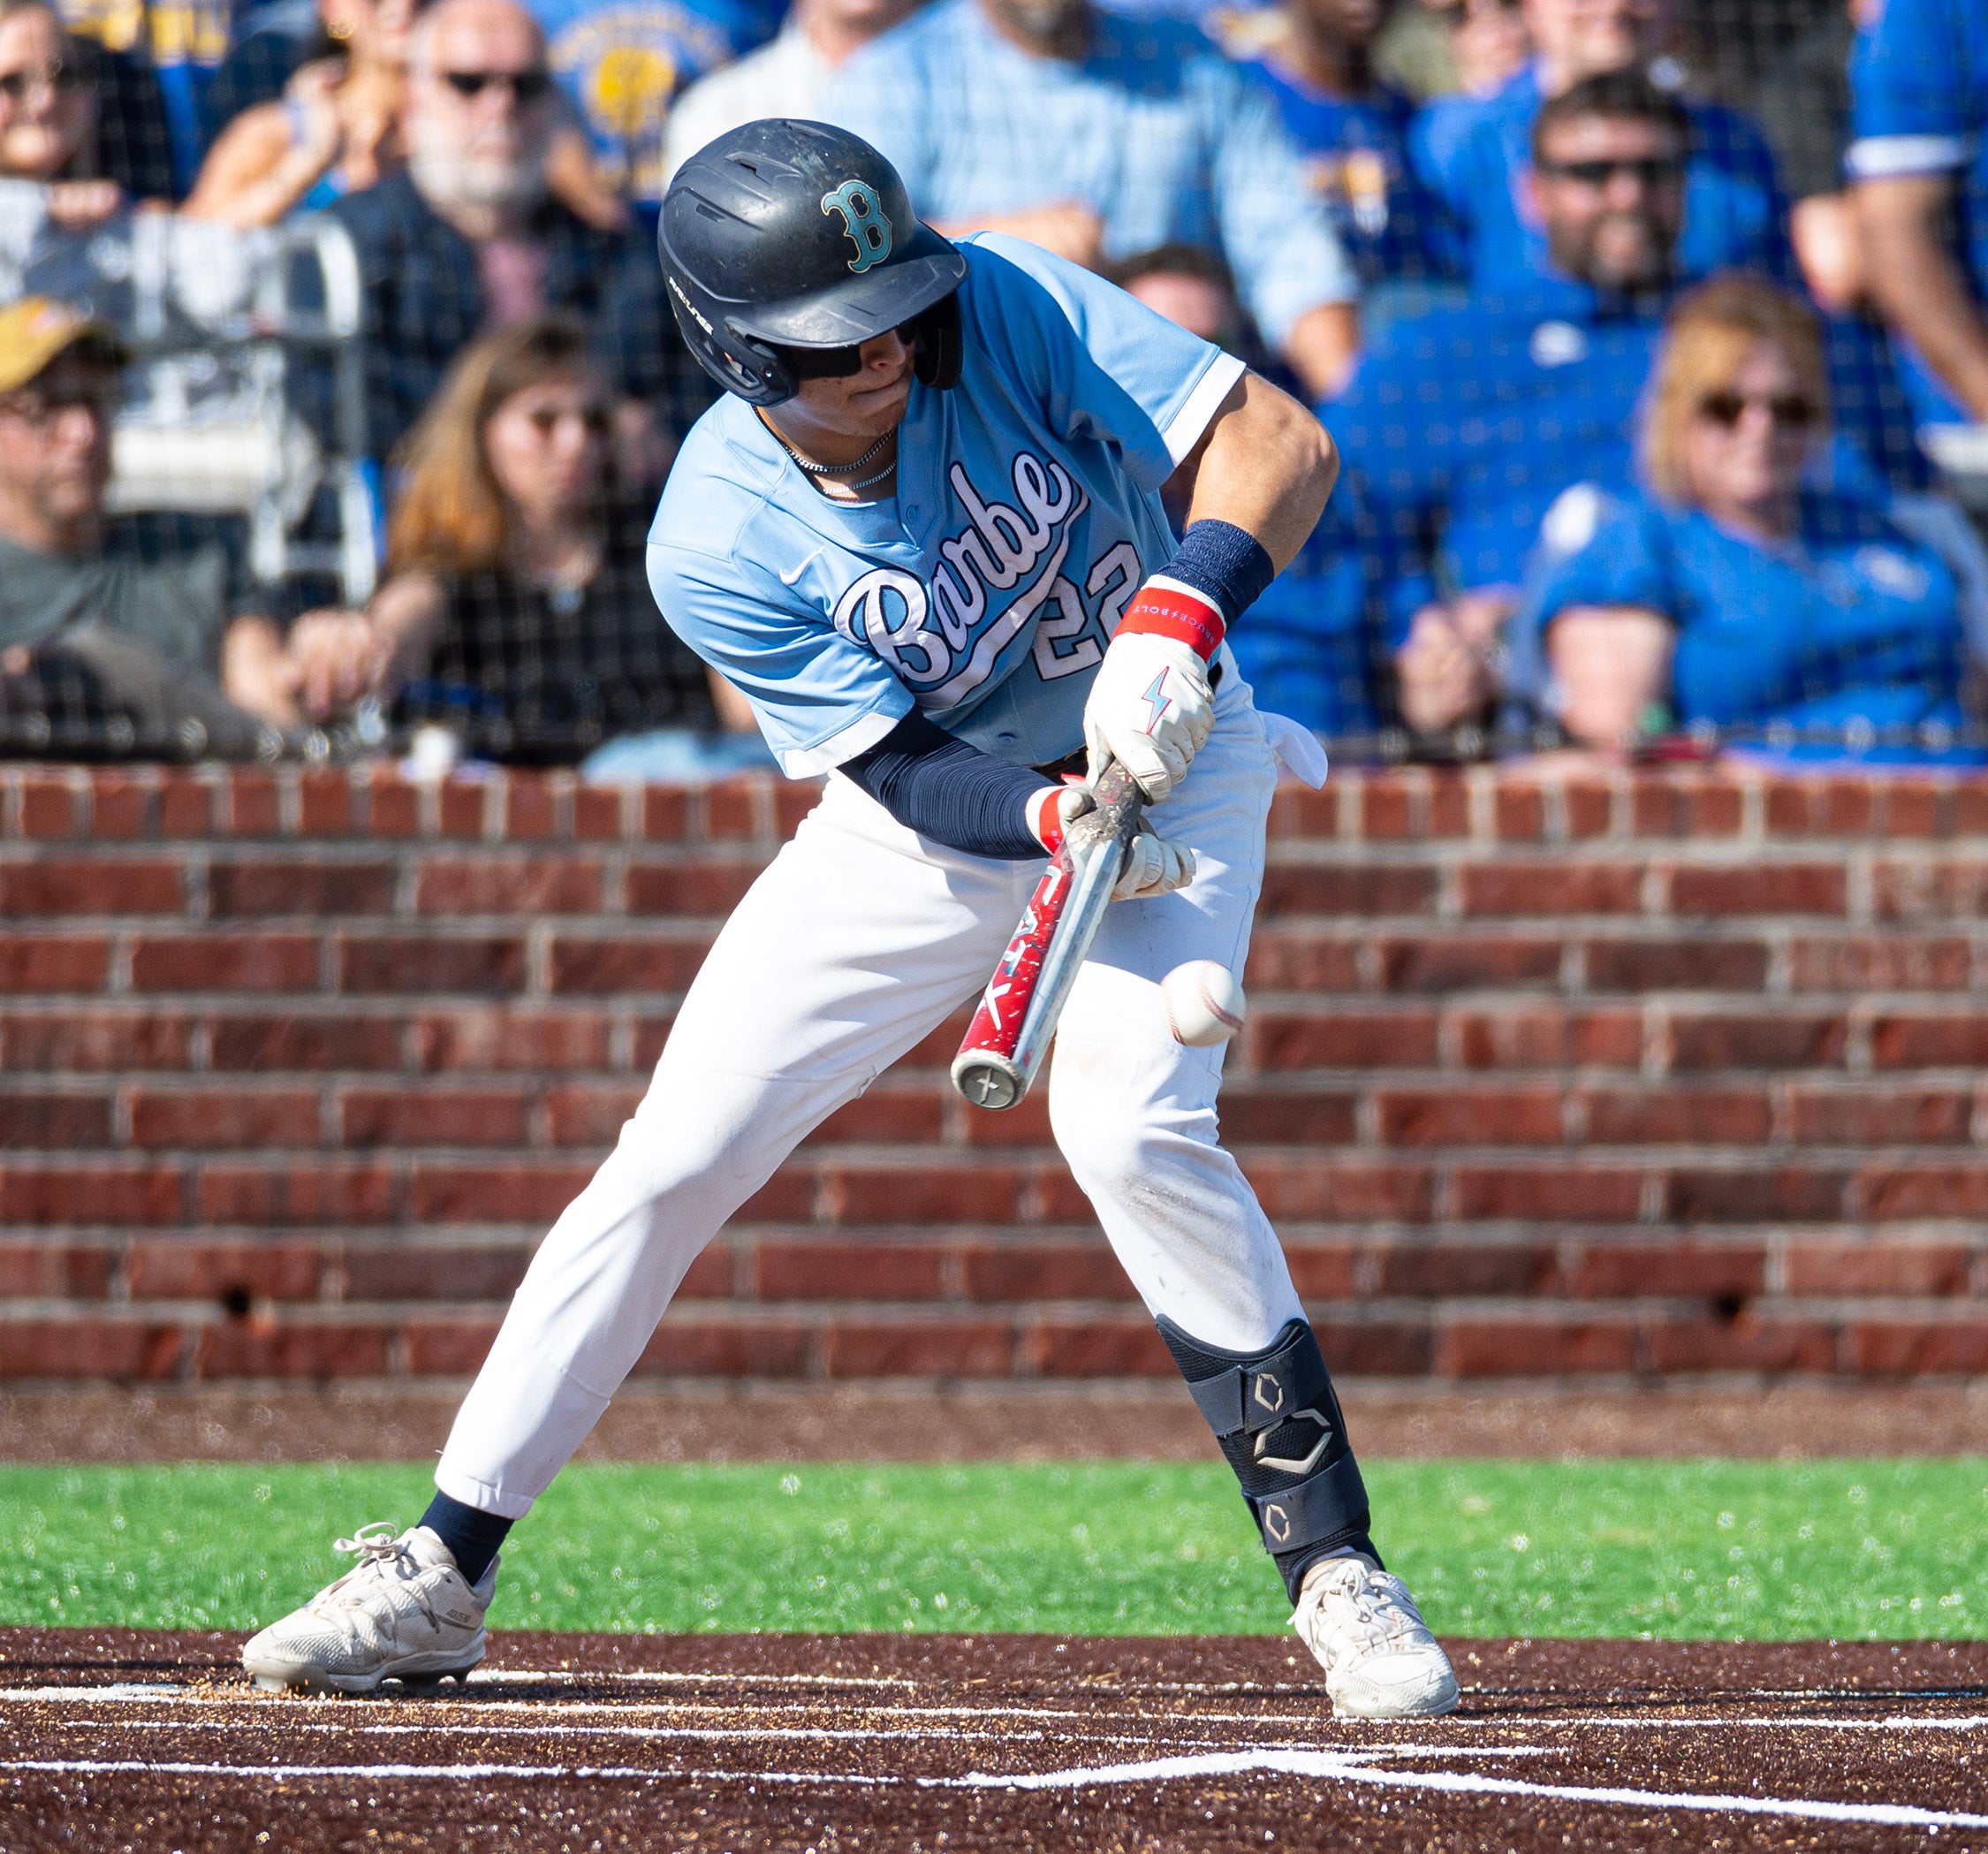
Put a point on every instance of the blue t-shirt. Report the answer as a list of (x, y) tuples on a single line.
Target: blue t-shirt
[(1027, 515), (1356, 156), (1852, 624), (1155, 130), (1919, 89), (1471, 150), (623, 61), (183, 41)]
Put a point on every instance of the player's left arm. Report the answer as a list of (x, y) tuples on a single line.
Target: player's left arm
[(1260, 474)]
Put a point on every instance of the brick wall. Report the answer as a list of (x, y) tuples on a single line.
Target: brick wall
[(1674, 1073)]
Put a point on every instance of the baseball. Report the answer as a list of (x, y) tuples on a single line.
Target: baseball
[(1204, 1004)]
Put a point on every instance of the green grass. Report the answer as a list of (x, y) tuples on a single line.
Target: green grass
[(1889, 1549)]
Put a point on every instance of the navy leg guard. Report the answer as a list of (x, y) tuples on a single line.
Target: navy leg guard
[(1279, 1424)]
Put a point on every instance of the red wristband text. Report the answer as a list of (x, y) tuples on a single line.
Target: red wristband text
[(1177, 614)]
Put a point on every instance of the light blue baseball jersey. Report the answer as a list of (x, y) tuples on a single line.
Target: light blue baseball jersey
[(1027, 515)]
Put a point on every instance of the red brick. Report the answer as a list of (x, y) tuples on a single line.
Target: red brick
[(1587, 1194), (225, 962), (786, 1197), (1918, 807), (1533, 1348), (67, 1121), (1815, 804), (1390, 805), (1347, 1039), (1676, 965), (1292, 962), (847, 1272), (1517, 887), (1313, 1191), (459, 962), (1669, 1269), (51, 963), (1875, 1270), (1455, 1270), (1298, 811), (1044, 1271), (249, 805), (1324, 1271), (536, 1042), (690, 888), (984, 1194), (55, 1271), (209, 1271), (120, 1350), (1903, 1191), (48, 802), (262, 1347), (224, 1119), (1362, 889), (1881, 1116), (1945, 888), (277, 886), (792, 800), (511, 885), (596, 814), (531, 805), (1787, 1039), (1447, 1117), (460, 805), (393, 805), (448, 1348), (325, 804), (1096, 1349), (1745, 1344), (713, 1349), (1888, 962), (92, 1041), (317, 1041), (1549, 1037), (936, 1050), (621, 965), (1314, 1117), (1908, 1348), (1588, 805), (432, 1117), (1777, 1194), (1518, 812), (186, 803), (1680, 801), (1370, 1348), (1676, 1116), (1462, 964), (441, 1193), (119, 804), (666, 814), (1449, 805), (581, 1116), (90, 885), (1953, 1039), (964, 1348), (429, 1270), (57, 1194), (299, 1193)]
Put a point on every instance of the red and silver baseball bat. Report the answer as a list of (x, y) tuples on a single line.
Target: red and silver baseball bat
[(1011, 1031)]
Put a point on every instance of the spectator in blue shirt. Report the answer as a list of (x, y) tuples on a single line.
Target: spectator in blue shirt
[(1729, 594), (1352, 130), (1473, 151), (1919, 87), (1098, 135)]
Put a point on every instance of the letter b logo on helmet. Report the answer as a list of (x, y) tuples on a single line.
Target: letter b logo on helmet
[(864, 219)]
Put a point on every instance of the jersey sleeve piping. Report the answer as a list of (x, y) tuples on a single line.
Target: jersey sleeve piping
[(1895, 157), (1184, 430), (858, 737)]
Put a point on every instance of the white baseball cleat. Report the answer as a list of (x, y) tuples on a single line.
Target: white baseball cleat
[(1380, 1660), (404, 1612)]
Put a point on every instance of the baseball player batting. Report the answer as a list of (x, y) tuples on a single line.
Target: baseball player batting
[(922, 533)]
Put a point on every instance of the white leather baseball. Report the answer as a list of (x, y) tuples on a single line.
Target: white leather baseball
[(1204, 1005)]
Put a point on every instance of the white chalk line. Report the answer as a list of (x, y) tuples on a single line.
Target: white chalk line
[(1334, 1765), (426, 1772)]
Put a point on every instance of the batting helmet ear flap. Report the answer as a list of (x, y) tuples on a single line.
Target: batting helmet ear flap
[(941, 347), (755, 370)]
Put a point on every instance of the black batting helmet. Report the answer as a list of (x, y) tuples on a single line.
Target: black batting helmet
[(785, 245)]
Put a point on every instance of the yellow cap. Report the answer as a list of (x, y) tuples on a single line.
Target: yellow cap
[(36, 330)]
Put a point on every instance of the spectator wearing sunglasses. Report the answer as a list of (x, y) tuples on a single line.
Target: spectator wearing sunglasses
[(1730, 592), (1473, 151), (467, 238), (517, 612), (85, 127)]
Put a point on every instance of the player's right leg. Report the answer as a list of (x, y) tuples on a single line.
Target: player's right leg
[(851, 947)]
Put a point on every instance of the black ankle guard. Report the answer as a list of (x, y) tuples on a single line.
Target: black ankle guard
[(1279, 1424)]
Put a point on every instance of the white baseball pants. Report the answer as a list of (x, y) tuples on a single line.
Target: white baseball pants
[(855, 943)]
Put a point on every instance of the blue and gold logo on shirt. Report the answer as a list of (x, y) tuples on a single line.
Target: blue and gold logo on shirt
[(863, 220)]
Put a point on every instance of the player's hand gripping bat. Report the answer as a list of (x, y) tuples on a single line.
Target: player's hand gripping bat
[(1011, 1031)]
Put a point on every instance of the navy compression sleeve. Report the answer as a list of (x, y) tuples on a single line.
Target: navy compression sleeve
[(946, 789)]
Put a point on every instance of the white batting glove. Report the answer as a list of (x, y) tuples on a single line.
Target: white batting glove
[(1151, 708), (1154, 865)]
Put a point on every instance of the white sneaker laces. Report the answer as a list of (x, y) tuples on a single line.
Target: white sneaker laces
[(1363, 1609), (382, 1556)]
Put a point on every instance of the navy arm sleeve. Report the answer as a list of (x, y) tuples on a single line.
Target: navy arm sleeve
[(949, 790)]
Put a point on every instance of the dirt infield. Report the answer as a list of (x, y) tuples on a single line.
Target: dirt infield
[(112, 1740)]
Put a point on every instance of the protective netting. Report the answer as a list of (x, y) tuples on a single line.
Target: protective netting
[(1591, 492)]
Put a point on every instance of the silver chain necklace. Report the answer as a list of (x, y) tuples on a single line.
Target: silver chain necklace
[(822, 469)]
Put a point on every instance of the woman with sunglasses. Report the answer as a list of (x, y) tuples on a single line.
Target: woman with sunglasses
[(1739, 593), (516, 611)]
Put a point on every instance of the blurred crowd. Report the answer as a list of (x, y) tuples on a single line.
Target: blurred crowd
[(337, 381)]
